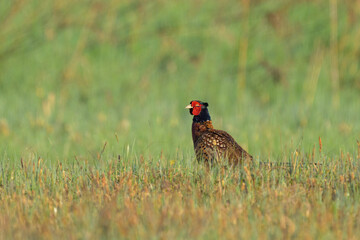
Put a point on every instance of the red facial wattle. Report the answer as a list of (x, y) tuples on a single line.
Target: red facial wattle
[(196, 108)]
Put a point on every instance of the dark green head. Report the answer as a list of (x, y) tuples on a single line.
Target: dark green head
[(199, 110)]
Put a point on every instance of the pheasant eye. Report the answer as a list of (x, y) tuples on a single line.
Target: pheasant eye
[(195, 104)]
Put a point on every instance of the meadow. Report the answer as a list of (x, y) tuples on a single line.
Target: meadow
[(95, 141)]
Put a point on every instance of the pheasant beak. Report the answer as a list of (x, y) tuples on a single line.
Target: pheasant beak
[(188, 106)]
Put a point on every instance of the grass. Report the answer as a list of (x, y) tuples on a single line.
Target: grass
[(95, 141), (151, 198)]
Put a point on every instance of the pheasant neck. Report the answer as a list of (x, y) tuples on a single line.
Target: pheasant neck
[(204, 116), (199, 127)]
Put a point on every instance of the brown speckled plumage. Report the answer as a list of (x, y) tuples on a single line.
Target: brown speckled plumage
[(212, 145)]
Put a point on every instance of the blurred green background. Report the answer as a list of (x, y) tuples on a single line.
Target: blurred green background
[(277, 76)]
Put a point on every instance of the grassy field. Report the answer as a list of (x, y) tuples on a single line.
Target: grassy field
[(95, 141)]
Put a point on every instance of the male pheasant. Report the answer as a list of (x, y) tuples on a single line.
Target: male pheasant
[(212, 145)]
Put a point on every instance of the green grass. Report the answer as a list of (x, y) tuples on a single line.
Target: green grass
[(84, 83), (149, 198)]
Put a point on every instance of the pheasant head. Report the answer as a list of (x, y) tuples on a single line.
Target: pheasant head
[(199, 110)]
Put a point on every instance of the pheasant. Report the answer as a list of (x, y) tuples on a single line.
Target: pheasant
[(212, 145)]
